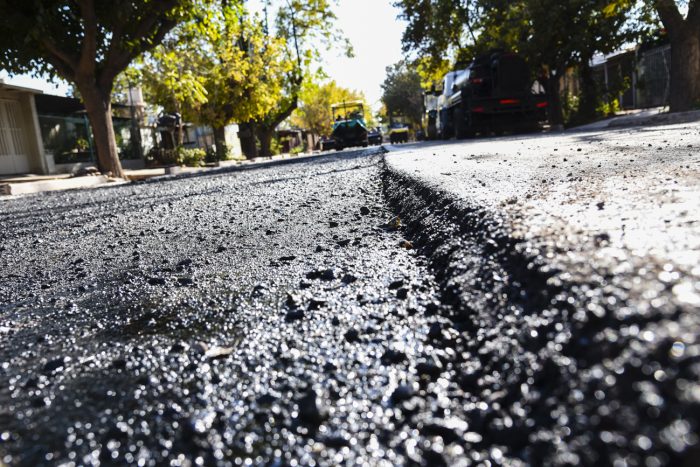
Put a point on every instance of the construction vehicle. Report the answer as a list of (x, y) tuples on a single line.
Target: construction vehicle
[(398, 129), (493, 94), (349, 127)]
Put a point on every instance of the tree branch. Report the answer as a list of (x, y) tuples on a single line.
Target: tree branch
[(669, 14), (282, 116), (62, 68), (121, 61), (59, 57), (118, 57), (693, 17)]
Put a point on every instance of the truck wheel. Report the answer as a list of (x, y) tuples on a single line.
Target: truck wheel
[(460, 124)]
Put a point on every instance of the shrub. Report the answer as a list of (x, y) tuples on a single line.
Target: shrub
[(191, 157)]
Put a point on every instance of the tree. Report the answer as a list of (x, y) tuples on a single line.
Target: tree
[(316, 99), (305, 25), (87, 43), (550, 34), (684, 34), (402, 92), (237, 78)]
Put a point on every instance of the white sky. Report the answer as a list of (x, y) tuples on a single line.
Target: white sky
[(371, 26), (375, 34)]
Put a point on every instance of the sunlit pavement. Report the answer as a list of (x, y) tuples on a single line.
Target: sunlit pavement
[(513, 300), (612, 196), (586, 287)]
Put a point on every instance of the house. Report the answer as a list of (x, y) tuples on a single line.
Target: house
[(21, 146), (45, 134)]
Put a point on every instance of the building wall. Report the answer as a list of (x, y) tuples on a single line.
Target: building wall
[(21, 150)]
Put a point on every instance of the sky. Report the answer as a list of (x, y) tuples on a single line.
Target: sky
[(375, 34), (372, 28)]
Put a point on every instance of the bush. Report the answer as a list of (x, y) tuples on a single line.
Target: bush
[(609, 108), (191, 157), (179, 156)]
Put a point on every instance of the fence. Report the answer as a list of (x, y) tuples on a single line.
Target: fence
[(653, 83), (637, 79)]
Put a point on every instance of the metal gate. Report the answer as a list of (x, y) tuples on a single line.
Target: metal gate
[(13, 147)]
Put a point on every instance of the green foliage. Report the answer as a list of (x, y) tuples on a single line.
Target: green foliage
[(402, 93), (191, 157), (609, 108), (178, 156), (219, 69), (275, 147), (570, 107), (548, 32), (75, 39)]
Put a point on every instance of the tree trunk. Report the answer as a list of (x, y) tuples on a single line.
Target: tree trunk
[(556, 116), (589, 93), (685, 69), (220, 141), (99, 111), (266, 130), (246, 133), (265, 135)]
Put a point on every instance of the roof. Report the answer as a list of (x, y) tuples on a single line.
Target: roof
[(347, 104), (12, 87), (47, 104)]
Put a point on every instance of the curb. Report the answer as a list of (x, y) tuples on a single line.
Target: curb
[(25, 188)]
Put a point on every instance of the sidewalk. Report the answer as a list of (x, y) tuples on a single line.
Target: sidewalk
[(30, 183), (641, 117)]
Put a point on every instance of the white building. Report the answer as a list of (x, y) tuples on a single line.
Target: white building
[(21, 147)]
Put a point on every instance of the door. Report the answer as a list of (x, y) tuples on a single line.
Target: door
[(13, 146)]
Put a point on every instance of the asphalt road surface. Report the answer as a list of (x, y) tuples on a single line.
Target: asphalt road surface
[(284, 315)]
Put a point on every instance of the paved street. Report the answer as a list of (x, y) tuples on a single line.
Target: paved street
[(534, 302)]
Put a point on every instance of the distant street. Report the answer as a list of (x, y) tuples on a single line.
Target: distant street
[(520, 300)]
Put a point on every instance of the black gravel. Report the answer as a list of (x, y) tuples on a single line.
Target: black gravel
[(216, 319), (284, 316)]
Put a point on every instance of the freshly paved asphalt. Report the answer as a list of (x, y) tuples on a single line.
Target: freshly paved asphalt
[(526, 307), (591, 242)]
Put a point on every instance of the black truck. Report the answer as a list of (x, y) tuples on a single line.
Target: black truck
[(494, 94)]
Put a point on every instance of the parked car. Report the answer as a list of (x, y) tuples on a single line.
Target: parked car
[(375, 136), (326, 143)]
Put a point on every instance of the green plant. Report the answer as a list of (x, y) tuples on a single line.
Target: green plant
[(569, 107), (609, 108), (275, 146), (81, 144), (191, 157)]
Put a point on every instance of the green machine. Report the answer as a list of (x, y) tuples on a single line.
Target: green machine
[(349, 127)]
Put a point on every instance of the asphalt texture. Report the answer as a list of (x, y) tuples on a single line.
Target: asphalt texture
[(356, 309), (269, 316), (572, 260)]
